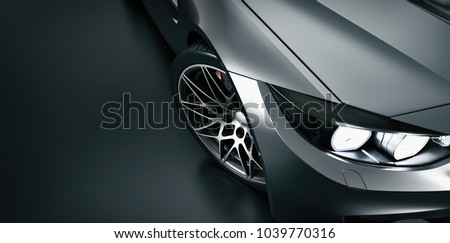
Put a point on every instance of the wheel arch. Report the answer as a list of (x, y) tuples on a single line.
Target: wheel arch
[(244, 44)]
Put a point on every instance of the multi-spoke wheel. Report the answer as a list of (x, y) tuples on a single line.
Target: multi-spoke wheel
[(216, 116)]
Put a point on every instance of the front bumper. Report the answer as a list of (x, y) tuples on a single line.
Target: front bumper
[(307, 184)]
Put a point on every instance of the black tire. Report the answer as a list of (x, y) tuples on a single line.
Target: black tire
[(201, 54)]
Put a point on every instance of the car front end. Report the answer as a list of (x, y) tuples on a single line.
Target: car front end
[(347, 101)]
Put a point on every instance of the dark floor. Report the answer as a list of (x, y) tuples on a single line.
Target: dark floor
[(60, 61)]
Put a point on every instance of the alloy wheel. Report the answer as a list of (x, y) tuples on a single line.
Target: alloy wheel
[(215, 113)]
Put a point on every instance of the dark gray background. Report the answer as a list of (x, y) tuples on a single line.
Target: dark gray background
[(60, 61)]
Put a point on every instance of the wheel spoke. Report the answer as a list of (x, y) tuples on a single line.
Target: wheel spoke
[(232, 96), (191, 84), (211, 109), (225, 157), (250, 169), (206, 135), (193, 91), (250, 153), (190, 103), (257, 164), (206, 126), (209, 83), (243, 164), (210, 79), (199, 113)]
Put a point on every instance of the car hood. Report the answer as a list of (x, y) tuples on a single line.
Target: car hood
[(388, 57)]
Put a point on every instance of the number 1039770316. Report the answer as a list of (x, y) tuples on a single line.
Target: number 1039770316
[(307, 233)]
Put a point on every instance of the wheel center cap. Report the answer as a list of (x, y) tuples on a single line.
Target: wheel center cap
[(240, 117)]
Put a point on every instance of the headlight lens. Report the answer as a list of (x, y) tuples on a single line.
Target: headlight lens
[(349, 139), (444, 141), (401, 146), (359, 135)]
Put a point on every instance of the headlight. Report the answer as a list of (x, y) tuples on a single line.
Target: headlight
[(359, 135), (349, 139), (401, 146), (444, 141)]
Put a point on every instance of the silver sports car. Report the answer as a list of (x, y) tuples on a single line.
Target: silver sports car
[(339, 110)]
